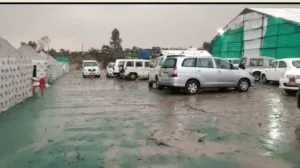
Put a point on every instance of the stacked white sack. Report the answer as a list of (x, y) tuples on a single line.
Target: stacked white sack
[(12, 86)]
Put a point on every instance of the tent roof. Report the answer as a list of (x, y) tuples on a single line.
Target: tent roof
[(291, 14), (43, 55), (29, 52), (7, 50)]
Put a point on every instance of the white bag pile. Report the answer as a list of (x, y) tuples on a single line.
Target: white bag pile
[(15, 76)]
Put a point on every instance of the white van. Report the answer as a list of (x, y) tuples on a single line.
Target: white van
[(156, 66), (135, 68)]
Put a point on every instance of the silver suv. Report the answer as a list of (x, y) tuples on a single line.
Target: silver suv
[(191, 73)]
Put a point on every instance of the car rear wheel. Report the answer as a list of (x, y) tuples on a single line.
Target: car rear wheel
[(191, 87), (243, 85), (83, 76), (133, 76), (290, 92)]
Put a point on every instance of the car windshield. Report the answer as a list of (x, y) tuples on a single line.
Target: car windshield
[(169, 63), (111, 65), (235, 61), (296, 64), (89, 64), (256, 62)]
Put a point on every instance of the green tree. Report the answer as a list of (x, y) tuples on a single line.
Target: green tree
[(205, 45), (116, 43), (33, 44)]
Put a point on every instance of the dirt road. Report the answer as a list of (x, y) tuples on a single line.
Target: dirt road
[(110, 123)]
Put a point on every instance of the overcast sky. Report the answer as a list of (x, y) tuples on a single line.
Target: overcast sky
[(141, 25)]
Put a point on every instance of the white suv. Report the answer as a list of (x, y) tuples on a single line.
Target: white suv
[(256, 65), (136, 68), (91, 68)]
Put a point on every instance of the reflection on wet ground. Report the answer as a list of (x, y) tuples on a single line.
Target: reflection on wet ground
[(108, 123)]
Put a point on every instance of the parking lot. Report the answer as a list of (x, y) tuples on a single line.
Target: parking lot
[(111, 122)]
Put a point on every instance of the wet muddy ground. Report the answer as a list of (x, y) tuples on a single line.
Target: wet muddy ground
[(96, 123)]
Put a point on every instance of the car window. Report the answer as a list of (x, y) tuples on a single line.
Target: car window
[(296, 64), (169, 63), (205, 63), (270, 62), (138, 64), (147, 64), (129, 64), (221, 64), (274, 64), (189, 62), (282, 64), (243, 61)]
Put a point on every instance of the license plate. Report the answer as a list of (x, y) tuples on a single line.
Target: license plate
[(293, 84)]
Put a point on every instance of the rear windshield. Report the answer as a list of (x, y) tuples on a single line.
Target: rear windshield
[(88, 64), (296, 64), (256, 62), (169, 63)]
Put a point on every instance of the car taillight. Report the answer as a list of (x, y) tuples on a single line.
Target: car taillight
[(174, 72)]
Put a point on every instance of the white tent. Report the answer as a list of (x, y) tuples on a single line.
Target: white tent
[(55, 68), (40, 62), (15, 72)]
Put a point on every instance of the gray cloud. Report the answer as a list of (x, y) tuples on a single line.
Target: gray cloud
[(140, 25)]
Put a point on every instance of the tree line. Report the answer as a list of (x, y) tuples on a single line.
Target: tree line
[(107, 53)]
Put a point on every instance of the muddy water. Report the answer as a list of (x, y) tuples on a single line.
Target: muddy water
[(109, 123)]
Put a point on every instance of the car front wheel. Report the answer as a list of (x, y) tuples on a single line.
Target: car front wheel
[(243, 85)]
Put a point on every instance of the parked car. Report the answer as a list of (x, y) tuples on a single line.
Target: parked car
[(255, 65), (90, 68), (110, 70), (136, 68), (155, 68), (193, 73), (287, 72)]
